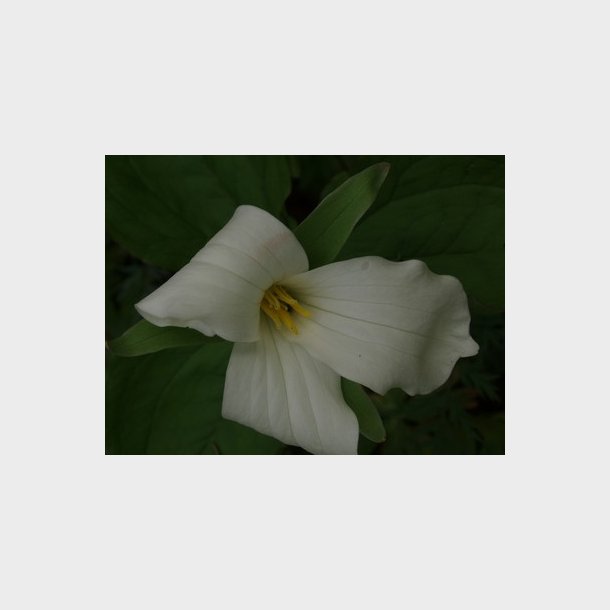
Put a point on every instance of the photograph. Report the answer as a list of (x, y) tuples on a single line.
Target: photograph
[(304, 304)]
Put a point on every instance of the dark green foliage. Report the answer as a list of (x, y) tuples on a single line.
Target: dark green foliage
[(466, 415), (164, 209), (446, 211), (146, 338), (169, 402), (323, 233)]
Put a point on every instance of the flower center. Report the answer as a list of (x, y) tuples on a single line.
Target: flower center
[(278, 305)]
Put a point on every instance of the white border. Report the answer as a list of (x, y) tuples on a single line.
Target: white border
[(86, 79)]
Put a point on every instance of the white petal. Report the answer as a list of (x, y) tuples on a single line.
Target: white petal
[(256, 245), (384, 324), (278, 389), (219, 291), (208, 298)]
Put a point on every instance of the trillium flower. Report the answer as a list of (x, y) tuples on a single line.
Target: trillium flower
[(297, 331)]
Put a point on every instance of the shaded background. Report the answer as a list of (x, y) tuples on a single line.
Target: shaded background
[(445, 210)]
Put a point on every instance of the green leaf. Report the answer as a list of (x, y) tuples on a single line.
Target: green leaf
[(419, 174), (146, 338), (448, 212), (234, 439), (323, 233), (170, 403), (369, 419), (167, 402), (163, 209), (335, 182)]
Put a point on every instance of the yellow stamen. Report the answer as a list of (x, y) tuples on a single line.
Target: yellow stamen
[(272, 314), (287, 320), (278, 304), (284, 295), (272, 300), (300, 309)]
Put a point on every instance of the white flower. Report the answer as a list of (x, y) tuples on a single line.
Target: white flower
[(379, 323)]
